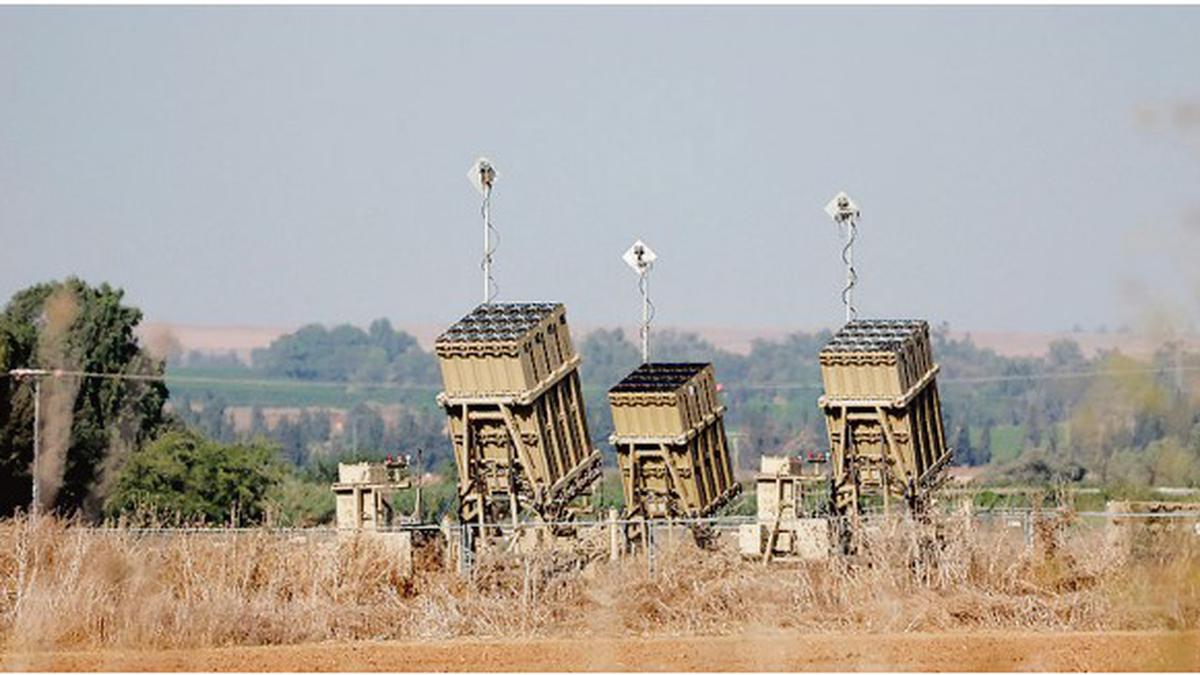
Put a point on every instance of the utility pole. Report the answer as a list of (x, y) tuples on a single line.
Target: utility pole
[(36, 375)]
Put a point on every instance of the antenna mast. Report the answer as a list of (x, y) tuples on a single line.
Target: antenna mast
[(640, 259), (844, 213), (483, 175)]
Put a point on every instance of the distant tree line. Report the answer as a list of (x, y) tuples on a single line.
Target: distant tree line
[(347, 353), (1060, 416), (115, 448)]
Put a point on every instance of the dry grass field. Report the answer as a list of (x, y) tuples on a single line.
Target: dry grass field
[(78, 598)]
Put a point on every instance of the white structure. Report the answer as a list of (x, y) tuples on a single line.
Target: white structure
[(781, 529), (365, 494), (366, 491)]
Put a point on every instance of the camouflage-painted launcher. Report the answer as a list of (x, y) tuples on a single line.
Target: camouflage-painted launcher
[(882, 412), (516, 414), (670, 440)]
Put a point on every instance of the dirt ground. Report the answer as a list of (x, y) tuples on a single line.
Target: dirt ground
[(779, 651)]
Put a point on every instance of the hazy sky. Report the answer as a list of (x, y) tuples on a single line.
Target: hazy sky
[(1018, 168)]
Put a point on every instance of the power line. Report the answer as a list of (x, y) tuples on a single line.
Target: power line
[(190, 379)]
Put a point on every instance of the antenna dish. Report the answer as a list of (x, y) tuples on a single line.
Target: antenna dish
[(639, 257), (841, 208), (844, 213), (482, 175)]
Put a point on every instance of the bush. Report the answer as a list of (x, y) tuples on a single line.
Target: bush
[(184, 478)]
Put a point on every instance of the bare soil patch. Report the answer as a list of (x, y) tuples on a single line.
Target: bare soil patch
[(986, 651)]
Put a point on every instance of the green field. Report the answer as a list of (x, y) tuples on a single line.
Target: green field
[(240, 387), (237, 387)]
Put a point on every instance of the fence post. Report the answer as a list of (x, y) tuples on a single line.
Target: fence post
[(614, 536), (448, 538), (650, 546), (464, 549)]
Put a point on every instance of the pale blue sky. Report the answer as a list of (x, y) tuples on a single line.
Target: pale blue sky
[(270, 165)]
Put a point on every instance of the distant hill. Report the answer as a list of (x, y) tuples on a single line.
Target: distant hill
[(242, 340)]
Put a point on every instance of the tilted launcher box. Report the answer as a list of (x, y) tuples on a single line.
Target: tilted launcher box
[(670, 439), (882, 411), (515, 410), (506, 349)]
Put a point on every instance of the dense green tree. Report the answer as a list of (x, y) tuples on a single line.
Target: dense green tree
[(346, 353), (101, 419), (183, 477), (296, 502)]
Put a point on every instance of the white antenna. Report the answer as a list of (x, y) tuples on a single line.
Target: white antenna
[(640, 259), (844, 212), (482, 175)]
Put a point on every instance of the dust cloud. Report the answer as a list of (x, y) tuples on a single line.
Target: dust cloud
[(123, 430), (161, 343), (55, 353)]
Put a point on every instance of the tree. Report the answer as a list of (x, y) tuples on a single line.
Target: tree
[(184, 478), (90, 424), (293, 502), (211, 418), (365, 429), (983, 454), (1065, 354), (1171, 463), (963, 452), (607, 358), (258, 422), (346, 353)]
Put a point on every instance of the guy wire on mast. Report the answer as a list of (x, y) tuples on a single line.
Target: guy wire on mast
[(844, 212), (640, 259), (483, 176), (647, 312)]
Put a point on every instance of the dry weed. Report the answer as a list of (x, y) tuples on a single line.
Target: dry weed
[(68, 586)]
